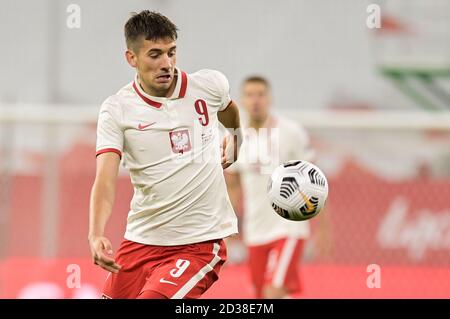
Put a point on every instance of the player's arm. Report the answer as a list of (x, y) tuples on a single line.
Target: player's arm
[(322, 234), (101, 205), (232, 143), (234, 186)]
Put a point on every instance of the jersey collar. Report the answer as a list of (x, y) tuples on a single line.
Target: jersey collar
[(270, 122), (155, 101)]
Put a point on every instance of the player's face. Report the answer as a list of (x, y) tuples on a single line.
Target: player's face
[(155, 64), (256, 100)]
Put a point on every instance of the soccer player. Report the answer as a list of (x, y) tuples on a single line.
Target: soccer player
[(275, 244), (164, 125)]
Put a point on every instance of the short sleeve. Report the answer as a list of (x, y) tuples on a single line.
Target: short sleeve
[(234, 168), (109, 132), (216, 84), (303, 149), (223, 88)]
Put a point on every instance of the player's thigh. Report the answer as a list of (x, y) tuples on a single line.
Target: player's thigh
[(128, 282), (150, 294), (284, 273), (123, 285), (189, 272), (257, 261)]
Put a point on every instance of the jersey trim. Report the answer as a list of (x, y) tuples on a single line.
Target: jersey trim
[(109, 150), (180, 294), (181, 86), (146, 99), (284, 260), (231, 101)]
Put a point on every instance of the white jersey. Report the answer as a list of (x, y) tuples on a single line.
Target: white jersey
[(260, 153), (171, 148)]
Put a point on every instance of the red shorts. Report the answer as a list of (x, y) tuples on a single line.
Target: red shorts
[(184, 271), (276, 264)]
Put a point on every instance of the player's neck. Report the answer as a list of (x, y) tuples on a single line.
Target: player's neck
[(159, 93), (259, 123)]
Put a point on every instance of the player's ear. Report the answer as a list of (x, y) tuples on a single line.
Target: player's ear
[(131, 58)]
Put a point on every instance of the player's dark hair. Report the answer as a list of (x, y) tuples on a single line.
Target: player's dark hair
[(150, 26), (256, 79)]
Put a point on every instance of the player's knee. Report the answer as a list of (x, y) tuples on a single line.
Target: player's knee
[(271, 292)]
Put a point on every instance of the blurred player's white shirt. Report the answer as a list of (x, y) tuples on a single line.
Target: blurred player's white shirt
[(260, 153), (172, 150)]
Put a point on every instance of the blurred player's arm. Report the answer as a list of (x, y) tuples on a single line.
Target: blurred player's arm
[(231, 144), (234, 186), (101, 205), (322, 235)]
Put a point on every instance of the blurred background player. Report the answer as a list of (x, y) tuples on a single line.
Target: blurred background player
[(275, 245), (165, 125)]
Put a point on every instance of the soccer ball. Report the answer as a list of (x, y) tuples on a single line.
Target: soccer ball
[(297, 190)]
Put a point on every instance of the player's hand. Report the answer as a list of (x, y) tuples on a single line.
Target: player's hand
[(102, 254), (229, 151)]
